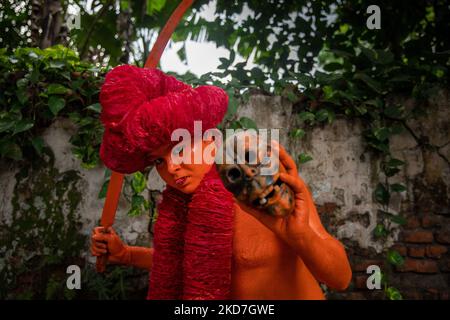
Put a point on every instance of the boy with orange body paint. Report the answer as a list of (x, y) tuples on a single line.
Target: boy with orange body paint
[(273, 257)]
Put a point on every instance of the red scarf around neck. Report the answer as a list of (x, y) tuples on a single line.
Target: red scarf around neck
[(193, 243)]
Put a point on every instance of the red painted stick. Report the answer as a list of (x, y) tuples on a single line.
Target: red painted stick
[(116, 180)]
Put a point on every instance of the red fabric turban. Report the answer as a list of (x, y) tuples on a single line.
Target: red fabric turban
[(141, 108)]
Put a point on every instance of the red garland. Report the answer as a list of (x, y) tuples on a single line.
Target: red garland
[(193, 248)]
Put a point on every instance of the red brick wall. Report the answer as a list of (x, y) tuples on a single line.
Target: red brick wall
[(424, 242)]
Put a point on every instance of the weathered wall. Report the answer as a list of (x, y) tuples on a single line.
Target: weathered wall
[(342, 177)]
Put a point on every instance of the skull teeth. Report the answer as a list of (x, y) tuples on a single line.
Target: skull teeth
[(263, 201)]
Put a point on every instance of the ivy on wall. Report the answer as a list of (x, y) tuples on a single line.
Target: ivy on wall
[(44, 235)]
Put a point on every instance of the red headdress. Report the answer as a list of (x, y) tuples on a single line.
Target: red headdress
[(193, 233)]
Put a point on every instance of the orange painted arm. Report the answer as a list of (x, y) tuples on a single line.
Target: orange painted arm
[(324, 255), (139, 257)]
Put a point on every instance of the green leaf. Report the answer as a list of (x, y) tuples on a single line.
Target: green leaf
[(56, 88), (22, 83), (384, 147), (57, 64), (248, 123), (124, 4), (292, 97), (384, 57), (361, 109), (331, 67), (397, 219), (393, 163), (6, 124), (303, 158), (34, 77), (396, 187), (393, 294), (235, 125), (103, 190), (137, 200), (38, 144), (373, 84), (146, 205), (394, 111), (380, 231), (381, 133), (134, 212), (322, 115), (307, 116), (139, 182), (325, 114), (257, 74), (369, 53), (22, 125), (297, 133), (154, 5), (304, 80), (56, 104), (390, 168), (395, 258), (22, 91), (390, 172), (96, 107), (377, 103), (381, 194), (107, 173), (11, 150)]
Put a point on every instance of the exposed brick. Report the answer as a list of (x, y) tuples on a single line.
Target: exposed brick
[(362, 266), (418, 236), (431, 294), (361, 282), (445, 295), (400, 249), (419, 266), (375, 294), (366, 252), (356, 296), (445, 266), (430, 221), (412, 223), (443, 237), (412, 295), (416, 252), (435, 251), (419, 281)]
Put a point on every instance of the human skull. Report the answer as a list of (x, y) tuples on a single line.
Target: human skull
[(245, 180)]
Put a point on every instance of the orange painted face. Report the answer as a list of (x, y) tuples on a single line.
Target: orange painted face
[(185, 177)]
